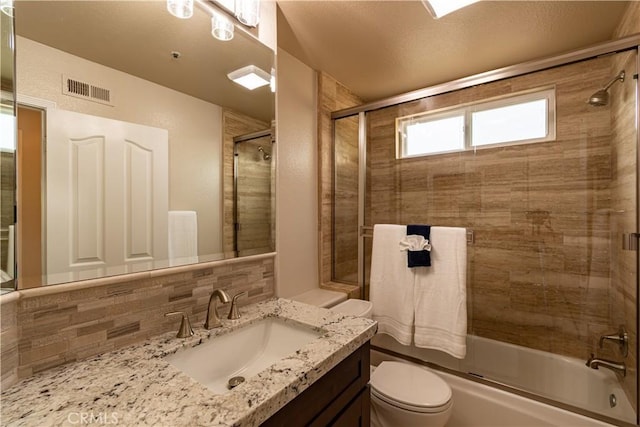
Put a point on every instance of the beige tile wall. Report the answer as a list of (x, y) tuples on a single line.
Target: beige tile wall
[(233, 124), (332, 96), (71, 322), (345, 244), (539, 269), (8, 339)]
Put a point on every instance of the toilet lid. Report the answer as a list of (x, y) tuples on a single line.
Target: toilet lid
[(410, 387)]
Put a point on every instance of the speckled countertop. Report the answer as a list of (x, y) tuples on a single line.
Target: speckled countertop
[(136, 386)]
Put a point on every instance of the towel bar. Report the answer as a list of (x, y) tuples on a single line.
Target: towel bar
[(367, 231)]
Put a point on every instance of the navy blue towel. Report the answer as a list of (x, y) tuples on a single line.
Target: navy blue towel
[(419, 258)]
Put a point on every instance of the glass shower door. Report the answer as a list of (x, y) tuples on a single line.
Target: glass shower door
[(345, 201), (553, 265), (254, 177)]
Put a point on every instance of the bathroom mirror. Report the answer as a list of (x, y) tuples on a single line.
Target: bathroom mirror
[(7, 150), (126, 127)]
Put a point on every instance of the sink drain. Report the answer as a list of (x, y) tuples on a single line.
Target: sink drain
[(613, 401), (235, 382)]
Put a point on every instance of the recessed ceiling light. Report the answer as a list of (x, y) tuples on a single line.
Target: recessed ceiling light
[(250, 77), (439, 8)]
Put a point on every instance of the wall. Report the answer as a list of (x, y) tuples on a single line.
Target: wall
[(624, 277), (333, 96), (539, 268), (195, 126), (296, 177), (64, 323)]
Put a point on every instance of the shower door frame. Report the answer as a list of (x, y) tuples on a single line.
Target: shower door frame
[(629, 43)]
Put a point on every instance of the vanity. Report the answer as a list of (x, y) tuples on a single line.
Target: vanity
[(323, 382)]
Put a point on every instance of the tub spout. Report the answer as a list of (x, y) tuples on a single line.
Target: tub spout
[(595, 363)]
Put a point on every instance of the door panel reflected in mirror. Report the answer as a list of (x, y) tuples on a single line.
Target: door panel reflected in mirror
[(136, 136)]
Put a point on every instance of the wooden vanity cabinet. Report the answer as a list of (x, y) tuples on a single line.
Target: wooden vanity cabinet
[(340, 398)]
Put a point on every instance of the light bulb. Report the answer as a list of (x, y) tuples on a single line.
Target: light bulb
[(248, 12), (182, 9), (221, 27)]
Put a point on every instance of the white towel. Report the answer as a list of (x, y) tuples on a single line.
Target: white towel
[(183, 237), (391, 283), (441, 294)]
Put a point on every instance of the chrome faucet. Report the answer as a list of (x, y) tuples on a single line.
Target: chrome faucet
[(595, 363), (213, 319), (621, 338), (234, 313)]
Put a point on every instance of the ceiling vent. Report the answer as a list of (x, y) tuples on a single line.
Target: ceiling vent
[(85, 90)]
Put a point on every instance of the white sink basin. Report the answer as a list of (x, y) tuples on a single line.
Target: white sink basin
[(244, 352)]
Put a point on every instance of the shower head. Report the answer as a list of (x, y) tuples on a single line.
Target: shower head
[(601, 97), (265, 155)]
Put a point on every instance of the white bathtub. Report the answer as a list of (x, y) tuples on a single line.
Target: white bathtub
[(563, 379)]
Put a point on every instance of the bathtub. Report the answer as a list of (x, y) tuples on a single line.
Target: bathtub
[(563, 379)]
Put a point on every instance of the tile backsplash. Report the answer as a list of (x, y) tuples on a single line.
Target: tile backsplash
[(47, 327)]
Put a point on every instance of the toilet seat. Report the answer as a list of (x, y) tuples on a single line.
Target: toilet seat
[(410, 388)]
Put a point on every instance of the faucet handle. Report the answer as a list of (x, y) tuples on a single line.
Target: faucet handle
[(185, 330), (621, 337), (234, 313)]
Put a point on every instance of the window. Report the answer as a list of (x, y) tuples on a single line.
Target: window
[(435, 135), (516, 119)]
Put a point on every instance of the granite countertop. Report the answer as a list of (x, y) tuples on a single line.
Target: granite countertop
[(136, 386)]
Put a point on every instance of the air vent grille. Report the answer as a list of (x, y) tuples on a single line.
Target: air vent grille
[(86, 90)]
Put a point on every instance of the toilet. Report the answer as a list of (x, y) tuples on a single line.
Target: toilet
[(354, 307), (402, 394), (407, 395), (336, 301), (320, 297)]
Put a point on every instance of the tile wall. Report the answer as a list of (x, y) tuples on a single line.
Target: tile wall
[(332, 96), (234, 124)]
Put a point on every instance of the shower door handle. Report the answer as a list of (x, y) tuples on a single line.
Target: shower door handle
[(630, 241)]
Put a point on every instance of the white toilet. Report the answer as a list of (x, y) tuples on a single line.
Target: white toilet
[(407, 395), (402, 394), (335, 301), (354, 307)]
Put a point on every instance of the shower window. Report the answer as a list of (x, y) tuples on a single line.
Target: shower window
[(521, 118), (434, 135)]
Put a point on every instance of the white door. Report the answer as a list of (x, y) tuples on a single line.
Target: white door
[(107, 196)]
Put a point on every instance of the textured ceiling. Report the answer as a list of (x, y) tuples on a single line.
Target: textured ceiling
[(383, 48)]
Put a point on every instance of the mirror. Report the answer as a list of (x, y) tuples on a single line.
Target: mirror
[(7, 151), (136, 171)]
